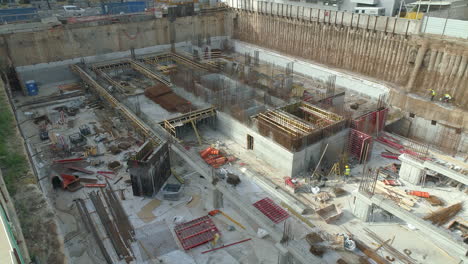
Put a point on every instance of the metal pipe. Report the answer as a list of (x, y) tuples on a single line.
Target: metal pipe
[(228, 245)]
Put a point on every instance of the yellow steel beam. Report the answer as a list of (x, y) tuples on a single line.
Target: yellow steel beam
[(232, 220), (148, 73), (196, 132)]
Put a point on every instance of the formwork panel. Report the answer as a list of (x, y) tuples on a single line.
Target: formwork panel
[(196, 232), (357, 142), (370, 123), (271, 210)]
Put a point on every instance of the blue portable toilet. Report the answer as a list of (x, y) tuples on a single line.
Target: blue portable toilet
[(32, 88)]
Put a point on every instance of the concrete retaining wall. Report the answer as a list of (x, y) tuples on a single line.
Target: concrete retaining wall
[(62, 43), (347, 81), (411, 62), (302, 11)]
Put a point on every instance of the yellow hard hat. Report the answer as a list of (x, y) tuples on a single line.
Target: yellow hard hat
[(346, 166)]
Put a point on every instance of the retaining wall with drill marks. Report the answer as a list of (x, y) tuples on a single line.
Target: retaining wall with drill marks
[(415, 63)]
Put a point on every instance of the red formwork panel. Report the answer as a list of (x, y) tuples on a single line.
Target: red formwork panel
[(196, 232), (371, 122), (271, 210), (356, 144)]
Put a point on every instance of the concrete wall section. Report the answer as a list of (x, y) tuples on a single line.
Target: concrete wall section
[(450, 131), (264, 148), (347, 81), (67, 42), (287, 163), (305, 160)]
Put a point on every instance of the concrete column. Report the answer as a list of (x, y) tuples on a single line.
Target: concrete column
[(172, 33), (417, 64), (284, 256), (411, 170), (217, 199), (362, 208)]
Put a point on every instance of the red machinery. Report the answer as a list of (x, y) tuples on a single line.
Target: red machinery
[(291, 182), (67, 182)]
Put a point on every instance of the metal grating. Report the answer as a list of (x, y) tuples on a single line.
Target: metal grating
[(271, 210), (196, 232)]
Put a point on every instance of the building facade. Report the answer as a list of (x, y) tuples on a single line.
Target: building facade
[(385, 7)]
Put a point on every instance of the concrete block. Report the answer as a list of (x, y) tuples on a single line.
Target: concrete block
[(362, 207), (411, 170)]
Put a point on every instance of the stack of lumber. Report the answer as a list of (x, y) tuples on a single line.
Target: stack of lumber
[(400, 197)]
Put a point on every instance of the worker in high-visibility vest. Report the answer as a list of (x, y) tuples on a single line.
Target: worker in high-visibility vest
[(433, 94), (347, 172), (447, 98)]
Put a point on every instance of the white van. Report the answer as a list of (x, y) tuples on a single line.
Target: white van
[(71, 10), (373, 11)]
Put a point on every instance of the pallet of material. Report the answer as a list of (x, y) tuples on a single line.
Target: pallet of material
[(330, 213), (173, 103), (157, 90), (404, 200)]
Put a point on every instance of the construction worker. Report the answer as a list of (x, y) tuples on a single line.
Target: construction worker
[(433, 94), (347, 172), (447, 98)]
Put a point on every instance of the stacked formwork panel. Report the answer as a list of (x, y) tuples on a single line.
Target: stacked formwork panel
[(360, 145)]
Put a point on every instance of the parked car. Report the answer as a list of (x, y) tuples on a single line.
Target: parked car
[(71, 10)]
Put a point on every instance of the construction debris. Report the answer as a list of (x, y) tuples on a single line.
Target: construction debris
[(400, 197), (338, 192), (233, 179), (67, 182), (434, 200), (389, 248), (329, 213), (369, 252), (443, 215), (114, 165)]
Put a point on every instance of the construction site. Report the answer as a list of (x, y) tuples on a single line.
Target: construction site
[(253, 132)]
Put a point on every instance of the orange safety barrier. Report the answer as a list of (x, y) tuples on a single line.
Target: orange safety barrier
[(419, 194)]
